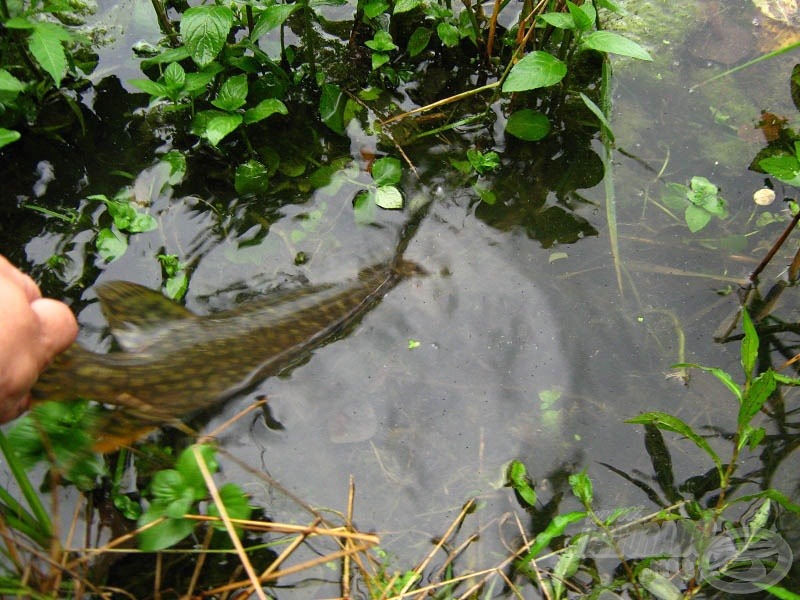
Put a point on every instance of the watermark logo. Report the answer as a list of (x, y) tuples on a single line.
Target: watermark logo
[(739, 560)]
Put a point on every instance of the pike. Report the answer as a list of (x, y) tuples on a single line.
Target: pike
[(175, 363)]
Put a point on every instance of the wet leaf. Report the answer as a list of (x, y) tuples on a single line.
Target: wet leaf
[(402, 6), (388, 197), (272, 17), (536, 70), (188, 468), (749, 348), (670, 423), (448, 34), (45, 44), (518, 480), (251, 177), (110, 244), (232, 94), (386, 171), (331, 107), (419, 40), (582, 487), (204, 30), (7, 136), (613, 43), (528, 124), (658, 585), (265, 108), (235, 501)]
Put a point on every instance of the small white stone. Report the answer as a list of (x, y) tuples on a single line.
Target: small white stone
[(764, 197)]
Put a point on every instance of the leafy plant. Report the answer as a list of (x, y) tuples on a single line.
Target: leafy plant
[(175, 493), (39, 53), (785, 168), (699, 202)]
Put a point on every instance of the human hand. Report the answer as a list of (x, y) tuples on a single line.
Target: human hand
[(32, 331)]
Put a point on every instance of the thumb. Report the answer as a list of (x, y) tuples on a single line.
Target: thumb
[(57, 326)]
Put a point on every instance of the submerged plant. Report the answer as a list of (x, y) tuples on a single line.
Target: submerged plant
[(700, 201)]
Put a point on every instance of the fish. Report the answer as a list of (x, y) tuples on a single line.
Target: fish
[(174, 363)]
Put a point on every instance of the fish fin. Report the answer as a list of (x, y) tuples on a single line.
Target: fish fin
[(136, 315)]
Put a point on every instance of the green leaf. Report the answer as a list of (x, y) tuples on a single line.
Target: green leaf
[(214, 125), (9, 83), (386, 171), (582, 487), (749, 348), (204, 30), (783, 168), (757, 394), (110, 244), (554, 529), (235, 502), (174, 76), (388, 197), (142, 222), (265, 108), (583, 16), (402, 6), (232, 94), (331, 107), (190, 471), (696, 217), (528, 124), (176, 285), (364, 207), (607, 41), (517, 476), (373, 8), (273, 16), (419, 40), (163, 535), (251, 177), (381, 42), (158, 90), (482, 162), (598, 112), (536, 70), (448, 34), (658, 585), (670, 423), (720, 374), (45, 44), (378, 60), (8, 136), (558, 20)]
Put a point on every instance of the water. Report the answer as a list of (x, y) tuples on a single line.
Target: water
[(527, 347)]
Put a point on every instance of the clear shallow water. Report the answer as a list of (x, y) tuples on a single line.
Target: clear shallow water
[(514, 305)]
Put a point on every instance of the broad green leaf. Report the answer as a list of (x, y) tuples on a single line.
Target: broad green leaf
[(582, 487), (163, 535), (331, 107), (167, 56), (696, 217), (142, 222), (7, 136), (670, 423), (583, 16), (9, 83), (214, 125), (382, 42), (364, 208), (607, 41), (180, 505), (554, 529), (558, 20), (388, 197), (232, 94), (273, 16), (528, 124), (373, 8), (757, 394), (110, 244), (749, 348), (419, 40), (187, 466), (176, 285), (536, 70), (402, 6), (251, 177), (45, 44), (378, 60), (597, 111), (18, 23), (783, 168), (265, 108), (448, 34), (658, 585), (174, 76), (167, 486), (204, 30), (517, 475), (486, 194), (158, 90), (235, 502), (386, 171)]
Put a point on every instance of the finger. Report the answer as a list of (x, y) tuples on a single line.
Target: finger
[(20, 279), (58, 327)]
